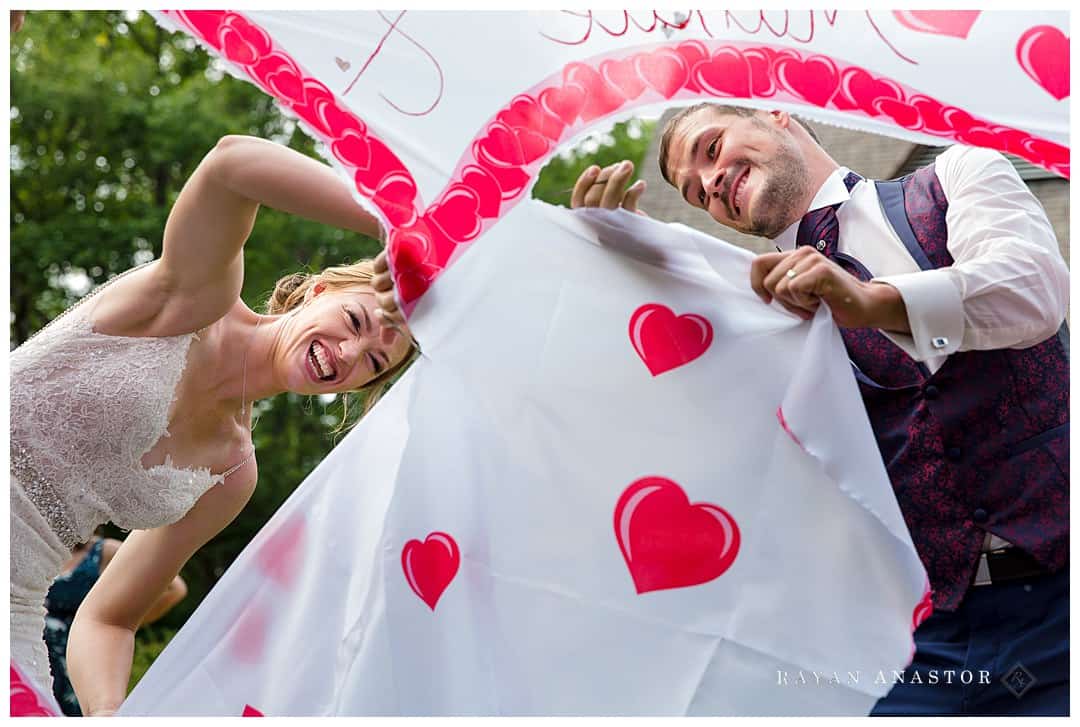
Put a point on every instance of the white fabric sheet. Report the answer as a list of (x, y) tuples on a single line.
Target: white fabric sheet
[(617, 483), (517, 435)]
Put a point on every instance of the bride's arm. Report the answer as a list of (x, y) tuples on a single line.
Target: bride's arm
[(215, 211), (200, 273), (101, 643), (173, 594)]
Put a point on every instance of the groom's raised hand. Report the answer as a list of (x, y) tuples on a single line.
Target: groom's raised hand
[(607, 188)]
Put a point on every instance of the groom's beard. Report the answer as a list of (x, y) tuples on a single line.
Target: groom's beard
[(786, 184)]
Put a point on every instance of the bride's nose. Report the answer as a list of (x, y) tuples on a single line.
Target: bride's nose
[(350, 349)]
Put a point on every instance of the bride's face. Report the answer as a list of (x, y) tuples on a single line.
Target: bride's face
[(335, 344)]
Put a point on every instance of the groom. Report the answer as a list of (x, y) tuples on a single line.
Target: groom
[(949, 290)]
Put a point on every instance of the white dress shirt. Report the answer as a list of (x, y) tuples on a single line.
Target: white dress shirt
[(1008, 286)]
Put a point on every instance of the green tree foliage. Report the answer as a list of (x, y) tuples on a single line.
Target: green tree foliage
[(109, 115)]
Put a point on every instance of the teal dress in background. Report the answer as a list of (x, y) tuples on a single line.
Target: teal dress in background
[(65, 595)]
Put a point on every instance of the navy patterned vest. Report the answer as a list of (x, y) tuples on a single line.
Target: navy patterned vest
[(982, 444)]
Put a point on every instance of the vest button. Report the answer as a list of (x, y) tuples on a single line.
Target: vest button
[(980, 516), (931, 392), (953, 453)]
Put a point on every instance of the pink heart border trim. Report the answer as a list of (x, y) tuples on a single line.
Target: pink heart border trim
[(508, 152)]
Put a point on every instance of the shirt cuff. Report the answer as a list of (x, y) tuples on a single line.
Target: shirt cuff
[(935, 313)]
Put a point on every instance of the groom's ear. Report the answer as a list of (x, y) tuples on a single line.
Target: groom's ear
[(780, 119)]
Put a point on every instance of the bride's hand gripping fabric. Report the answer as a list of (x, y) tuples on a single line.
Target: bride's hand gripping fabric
[(388, 313)]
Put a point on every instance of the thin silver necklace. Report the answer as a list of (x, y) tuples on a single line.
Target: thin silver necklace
[(243, 379), (243, 402)]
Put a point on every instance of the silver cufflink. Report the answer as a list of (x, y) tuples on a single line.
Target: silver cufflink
[(821, 246), (939, 342)]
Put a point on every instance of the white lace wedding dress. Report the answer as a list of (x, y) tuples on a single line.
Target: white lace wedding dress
[(85, 408)]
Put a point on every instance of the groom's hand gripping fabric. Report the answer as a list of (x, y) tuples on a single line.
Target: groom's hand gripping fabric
[(801, 279)]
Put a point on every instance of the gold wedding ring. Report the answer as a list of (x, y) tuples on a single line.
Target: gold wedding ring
[(791, 273)]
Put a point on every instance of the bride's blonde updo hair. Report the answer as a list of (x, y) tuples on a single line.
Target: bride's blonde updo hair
[(290, 293)]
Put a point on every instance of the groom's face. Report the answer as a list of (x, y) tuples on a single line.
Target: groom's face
[(747, 172)]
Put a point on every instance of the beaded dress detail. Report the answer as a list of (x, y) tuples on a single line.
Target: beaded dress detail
[(85, 408)]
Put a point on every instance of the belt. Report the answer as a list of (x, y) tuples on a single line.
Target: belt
[(1004, 565)]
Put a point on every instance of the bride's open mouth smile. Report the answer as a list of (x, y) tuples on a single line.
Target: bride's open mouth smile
[(321, 362)]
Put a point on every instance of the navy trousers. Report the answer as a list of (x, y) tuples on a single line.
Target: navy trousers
[(1005, 652)]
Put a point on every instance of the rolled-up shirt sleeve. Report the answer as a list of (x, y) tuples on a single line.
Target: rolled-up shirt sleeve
[(1008, 286)]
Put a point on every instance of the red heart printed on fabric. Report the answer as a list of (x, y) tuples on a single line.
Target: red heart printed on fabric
[(352, 148), (394, 195), (903, 114), (525, 113), (665, 341), (664, 71), (931, 112), (1043, 53), (762, 61), (250, 711), (25, 701), (726, 73), (430, 566), (692, 52), (623, 75), (923, 610), (487, 189), (280, 556), (814, 78), (457, 214), (601, 98), (669, 542), (329, 116), (565, 102), (247, 641), (236, 46), (865, 91), (287, 84), (953, 23), (1054, 153)]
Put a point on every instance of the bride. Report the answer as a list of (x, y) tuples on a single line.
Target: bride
[(134, 406)]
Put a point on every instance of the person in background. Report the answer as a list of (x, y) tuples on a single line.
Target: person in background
[(67, 592)]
